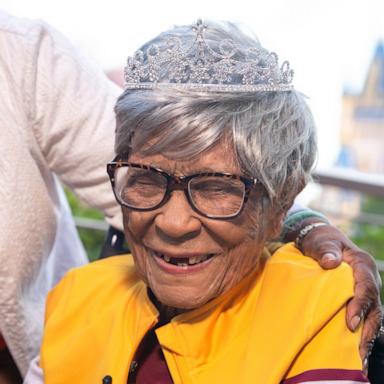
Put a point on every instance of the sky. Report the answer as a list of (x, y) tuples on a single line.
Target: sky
[(329, 43)]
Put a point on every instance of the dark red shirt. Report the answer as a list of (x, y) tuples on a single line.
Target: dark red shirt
[(149, 365)]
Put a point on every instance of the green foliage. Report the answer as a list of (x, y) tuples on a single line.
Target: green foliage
[(80, 209), (92, 239), (370, 237), (373, 205)]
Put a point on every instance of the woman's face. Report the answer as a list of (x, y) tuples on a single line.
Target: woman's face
[(221, 252)]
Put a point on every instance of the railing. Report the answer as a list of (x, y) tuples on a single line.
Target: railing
[(92, 224), (370, 184), (367, 184)]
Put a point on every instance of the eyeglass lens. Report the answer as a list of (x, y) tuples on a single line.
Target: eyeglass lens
[(211, 195)]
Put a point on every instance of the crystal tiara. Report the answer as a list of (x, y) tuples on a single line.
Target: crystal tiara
[(201, 68)]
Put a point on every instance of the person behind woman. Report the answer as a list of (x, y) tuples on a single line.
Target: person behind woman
[(56, 126), (213, 144)]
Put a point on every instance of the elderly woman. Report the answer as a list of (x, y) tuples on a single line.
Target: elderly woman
[(213, 144)]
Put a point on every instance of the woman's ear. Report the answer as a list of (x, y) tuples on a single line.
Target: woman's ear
[(278, 213), (275, 224)]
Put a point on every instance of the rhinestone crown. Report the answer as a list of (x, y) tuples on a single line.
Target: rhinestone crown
[(202, 68)]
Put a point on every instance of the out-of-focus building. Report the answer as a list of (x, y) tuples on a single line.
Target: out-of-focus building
[(362, 141), (362, 125)]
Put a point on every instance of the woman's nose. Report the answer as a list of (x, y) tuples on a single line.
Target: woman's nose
[(177, 220)]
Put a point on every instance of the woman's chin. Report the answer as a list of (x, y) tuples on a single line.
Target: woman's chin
[(181, 301)]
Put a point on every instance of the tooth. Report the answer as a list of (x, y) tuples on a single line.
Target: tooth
[(203, 258), (193, 260), (182, 264), (167, 258)]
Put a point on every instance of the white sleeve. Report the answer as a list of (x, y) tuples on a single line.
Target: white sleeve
[(34, 374), (73, 119)]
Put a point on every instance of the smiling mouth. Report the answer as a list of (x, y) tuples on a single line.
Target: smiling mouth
[(184, 261)]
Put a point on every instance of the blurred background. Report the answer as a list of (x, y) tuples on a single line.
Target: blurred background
[(337, 51)]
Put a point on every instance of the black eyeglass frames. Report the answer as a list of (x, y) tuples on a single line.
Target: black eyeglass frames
[(214, 195)]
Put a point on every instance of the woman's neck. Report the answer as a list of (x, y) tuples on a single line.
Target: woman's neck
[(166, 313)]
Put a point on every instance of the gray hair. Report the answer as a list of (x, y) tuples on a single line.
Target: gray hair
[(272, 133)]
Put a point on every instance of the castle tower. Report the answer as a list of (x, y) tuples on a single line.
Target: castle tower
[(362, 130)]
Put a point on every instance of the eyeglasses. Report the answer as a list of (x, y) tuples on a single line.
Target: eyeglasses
[(212, 194)]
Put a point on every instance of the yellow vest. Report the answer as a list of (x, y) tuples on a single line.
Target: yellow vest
[(282, 321)]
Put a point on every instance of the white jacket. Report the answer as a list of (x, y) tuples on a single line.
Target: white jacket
[(56, 118)]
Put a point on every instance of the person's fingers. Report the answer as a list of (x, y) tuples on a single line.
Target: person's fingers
[(331, 256), (324, 244), (366, 291), (357, 310), (362, 262), (329, 247), (372, 324), (365, 299)]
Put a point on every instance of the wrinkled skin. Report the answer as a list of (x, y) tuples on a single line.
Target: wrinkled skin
[(176, 230), (330, 247)]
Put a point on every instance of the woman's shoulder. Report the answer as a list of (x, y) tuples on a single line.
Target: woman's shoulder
[(102, 283), (312, 303), (289, 258), (290, 274), (121, 266)]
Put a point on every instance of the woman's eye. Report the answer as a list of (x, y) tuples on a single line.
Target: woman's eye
[(141, 181), (217, 186)]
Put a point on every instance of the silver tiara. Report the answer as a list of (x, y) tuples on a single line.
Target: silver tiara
[(201, 68)]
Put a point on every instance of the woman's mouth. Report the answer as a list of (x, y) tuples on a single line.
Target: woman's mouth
[(184, 261)]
